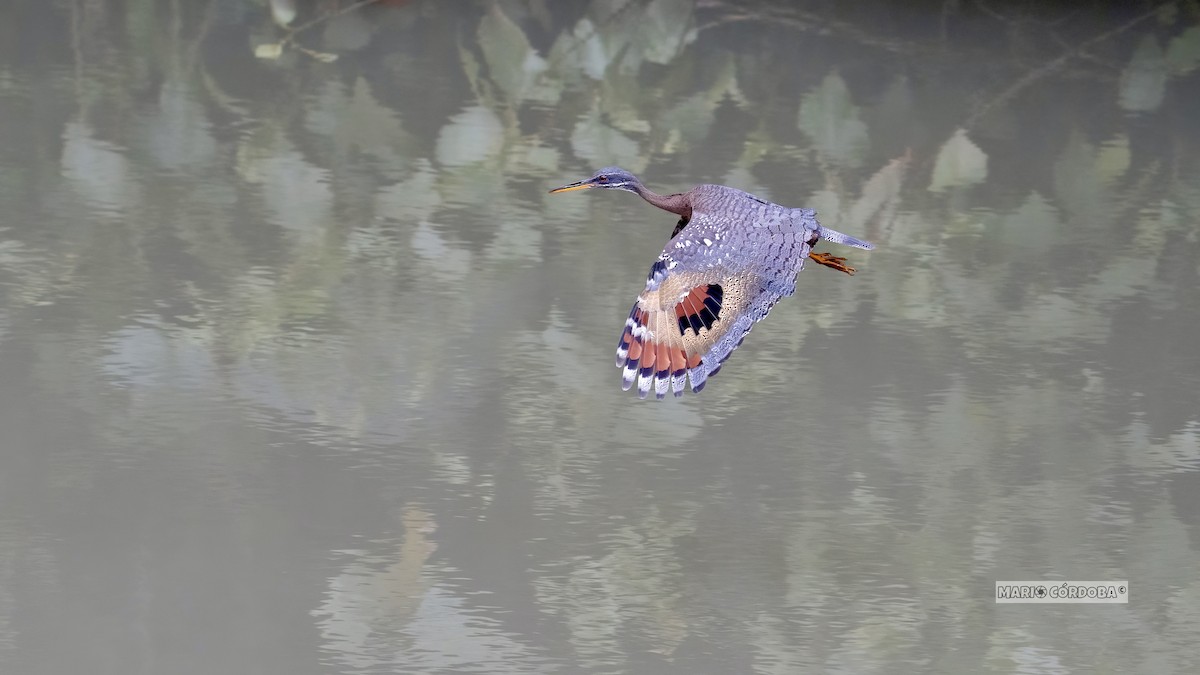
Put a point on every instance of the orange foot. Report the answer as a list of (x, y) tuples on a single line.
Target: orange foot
[(830, 260)]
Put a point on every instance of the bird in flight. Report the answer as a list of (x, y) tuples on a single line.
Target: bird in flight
[(731, 257)]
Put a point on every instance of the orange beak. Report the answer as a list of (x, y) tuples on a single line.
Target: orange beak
[(581, 185)]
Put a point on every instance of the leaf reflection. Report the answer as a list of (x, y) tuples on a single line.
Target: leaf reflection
[(356, 267)]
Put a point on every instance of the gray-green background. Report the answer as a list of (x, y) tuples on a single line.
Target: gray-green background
[(302, 371)]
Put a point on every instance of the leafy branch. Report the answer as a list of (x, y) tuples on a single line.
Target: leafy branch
[(273, 50)]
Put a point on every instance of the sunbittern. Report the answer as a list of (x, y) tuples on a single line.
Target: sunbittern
[(731, 257)]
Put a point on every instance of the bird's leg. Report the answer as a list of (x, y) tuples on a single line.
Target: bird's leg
[(830, 260)]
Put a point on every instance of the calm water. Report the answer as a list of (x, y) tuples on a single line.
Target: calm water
[(302, 371)]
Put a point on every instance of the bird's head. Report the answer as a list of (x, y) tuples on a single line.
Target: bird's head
[(612, 177)]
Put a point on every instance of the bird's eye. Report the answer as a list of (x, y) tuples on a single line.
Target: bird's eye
[(602, 179)]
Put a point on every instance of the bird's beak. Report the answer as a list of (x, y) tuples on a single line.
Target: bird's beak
[(581, 185)]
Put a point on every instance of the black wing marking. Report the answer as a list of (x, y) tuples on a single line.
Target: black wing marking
[(683, 221)]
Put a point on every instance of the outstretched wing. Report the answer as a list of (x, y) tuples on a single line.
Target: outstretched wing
[(703, 294)]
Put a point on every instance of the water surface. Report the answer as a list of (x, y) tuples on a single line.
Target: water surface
[(302, 371)]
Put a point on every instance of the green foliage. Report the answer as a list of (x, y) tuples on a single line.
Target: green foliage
[(355, 260)]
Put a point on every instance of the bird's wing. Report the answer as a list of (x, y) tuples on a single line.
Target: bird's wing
[(703, 294)]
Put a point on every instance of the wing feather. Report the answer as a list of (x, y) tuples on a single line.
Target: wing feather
[(708, 288)]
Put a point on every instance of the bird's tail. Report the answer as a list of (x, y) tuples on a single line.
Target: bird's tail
[(839, 238)]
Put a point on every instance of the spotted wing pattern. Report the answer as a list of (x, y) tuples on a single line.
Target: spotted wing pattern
[(715, 279)]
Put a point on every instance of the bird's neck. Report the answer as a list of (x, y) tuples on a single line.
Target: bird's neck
[(676, 203)]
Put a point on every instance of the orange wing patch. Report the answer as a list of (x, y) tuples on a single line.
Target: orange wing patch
[(681, 330), (651, 355), (700, 308)]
